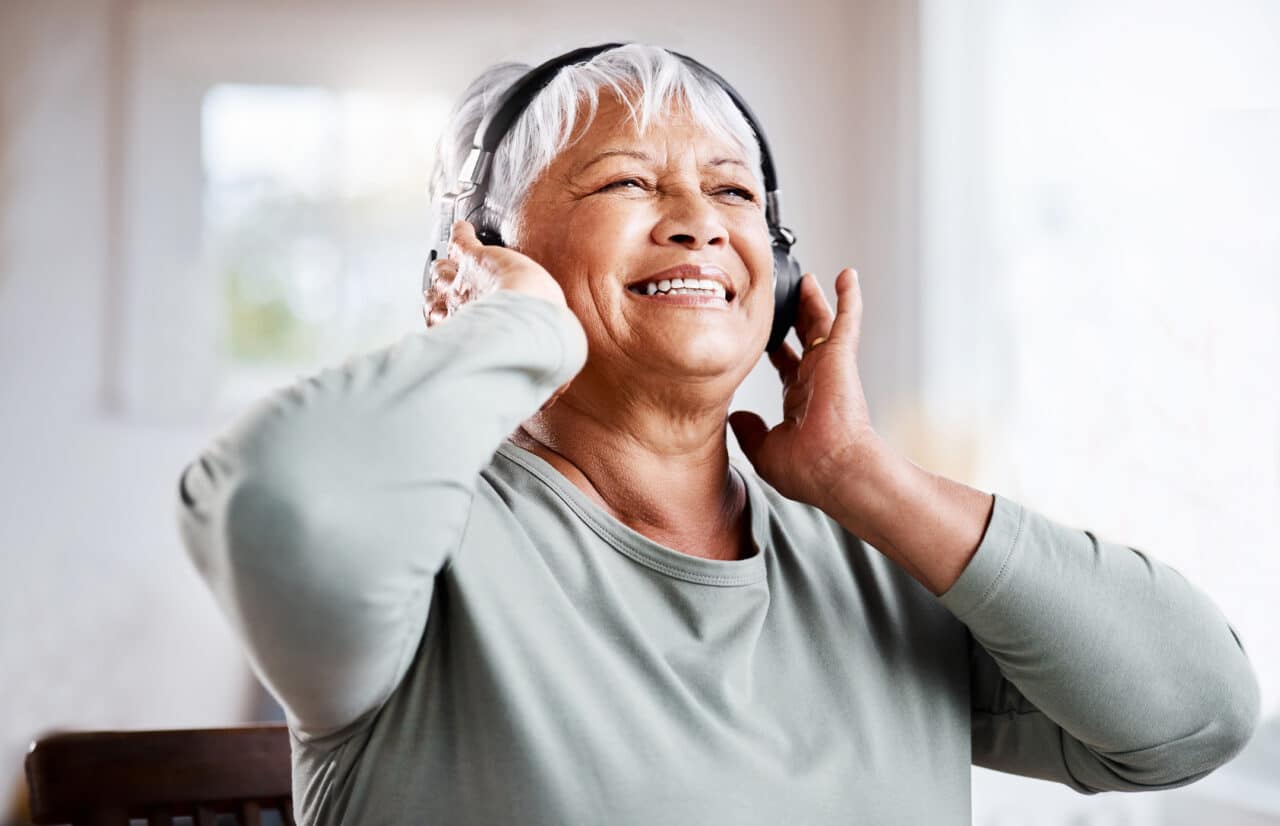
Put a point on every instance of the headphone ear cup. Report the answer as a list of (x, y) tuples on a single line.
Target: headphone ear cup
[(489, 237), (786, 295)]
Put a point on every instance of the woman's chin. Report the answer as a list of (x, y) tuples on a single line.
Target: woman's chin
[(697, 356)]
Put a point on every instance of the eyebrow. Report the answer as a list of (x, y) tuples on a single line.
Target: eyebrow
[(642, 156), (613, 153)]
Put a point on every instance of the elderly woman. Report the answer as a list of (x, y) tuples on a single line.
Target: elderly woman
[(505, 570)]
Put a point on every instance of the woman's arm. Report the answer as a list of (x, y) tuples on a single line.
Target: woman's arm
[(1125, 675), (1096, 665), (321, 519)]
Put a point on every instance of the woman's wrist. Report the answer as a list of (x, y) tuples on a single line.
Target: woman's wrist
[(858, 486), (929, 525)]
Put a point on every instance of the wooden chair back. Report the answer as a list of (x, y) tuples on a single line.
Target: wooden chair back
[(211, 776)]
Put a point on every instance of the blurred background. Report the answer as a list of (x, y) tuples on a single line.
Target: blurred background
[(1066, 218)]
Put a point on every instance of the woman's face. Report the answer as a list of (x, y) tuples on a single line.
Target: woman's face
[(618, 210)]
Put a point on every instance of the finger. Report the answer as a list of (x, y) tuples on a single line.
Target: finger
[(785, 360), (463, 236), (847, 328), (443, 271), (814, 316), (750, 431), (793, 413)]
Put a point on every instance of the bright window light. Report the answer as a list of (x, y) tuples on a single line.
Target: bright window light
[(1101, 208), (315, 218)]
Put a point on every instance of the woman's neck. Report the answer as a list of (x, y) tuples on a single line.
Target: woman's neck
[(665, 476)]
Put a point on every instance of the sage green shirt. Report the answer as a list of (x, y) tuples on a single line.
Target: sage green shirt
[(460, 636)]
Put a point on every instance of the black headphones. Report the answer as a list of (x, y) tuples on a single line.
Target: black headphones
[(473, 181)]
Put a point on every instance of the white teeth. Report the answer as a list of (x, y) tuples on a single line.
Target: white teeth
[(684, 286), (714, 286)]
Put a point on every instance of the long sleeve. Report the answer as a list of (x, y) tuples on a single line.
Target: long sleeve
[(321, 519), (1095, 665)]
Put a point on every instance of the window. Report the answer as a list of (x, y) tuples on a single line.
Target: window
[(1102, 312), (315, 222)]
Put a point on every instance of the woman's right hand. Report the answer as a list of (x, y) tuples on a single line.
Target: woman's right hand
[(471, 270)]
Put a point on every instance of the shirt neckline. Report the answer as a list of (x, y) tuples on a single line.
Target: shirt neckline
[(643, 550)]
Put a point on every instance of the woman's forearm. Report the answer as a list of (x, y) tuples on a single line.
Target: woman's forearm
[(929, 525)]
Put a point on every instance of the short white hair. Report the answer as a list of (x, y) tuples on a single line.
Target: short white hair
[(648, 79)]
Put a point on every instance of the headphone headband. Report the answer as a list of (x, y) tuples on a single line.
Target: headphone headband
[(473, 180), (516, 99)]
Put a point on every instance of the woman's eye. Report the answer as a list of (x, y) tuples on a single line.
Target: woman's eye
[(625, 183), (739, 192)]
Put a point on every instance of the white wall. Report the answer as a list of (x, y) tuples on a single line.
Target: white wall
[(104, 322), (102, 623), (1101, 310)]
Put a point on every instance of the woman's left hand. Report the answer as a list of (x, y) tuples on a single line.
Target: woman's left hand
[(826, 432)]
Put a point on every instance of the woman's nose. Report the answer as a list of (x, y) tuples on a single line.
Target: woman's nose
[(689, 220)]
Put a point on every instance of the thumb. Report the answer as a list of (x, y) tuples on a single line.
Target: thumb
[(750, 430), (848, 324), (463, 235)]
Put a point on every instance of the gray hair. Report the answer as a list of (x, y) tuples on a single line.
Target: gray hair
[(648, 79)]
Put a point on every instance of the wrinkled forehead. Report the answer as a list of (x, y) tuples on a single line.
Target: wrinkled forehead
[(563, 122), (616, 123)]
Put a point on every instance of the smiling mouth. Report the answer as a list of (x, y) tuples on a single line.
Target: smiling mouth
[(702, 287)]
